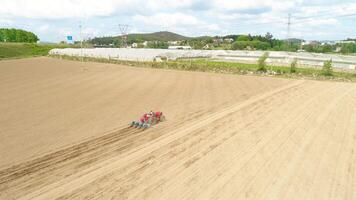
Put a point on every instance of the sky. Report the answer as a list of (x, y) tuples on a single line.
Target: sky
[(53, 20)]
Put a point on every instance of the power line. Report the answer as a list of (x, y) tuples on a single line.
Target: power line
[(288, 28), (325, 16), (124, 30), (300, 19), (319, 14)]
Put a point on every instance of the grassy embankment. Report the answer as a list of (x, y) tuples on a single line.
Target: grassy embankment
[(24, 50), (205, 65)]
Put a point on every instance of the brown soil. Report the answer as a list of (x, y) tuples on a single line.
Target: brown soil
[(64, 134)]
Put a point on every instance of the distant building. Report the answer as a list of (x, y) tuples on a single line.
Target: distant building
[(229, 40), (180, 47), (145, 43), (104, 45), (218, 40), (346, 42), (134, 45), (173, 43), (207, 46), (328, 42), (338, 49), (311, 43)]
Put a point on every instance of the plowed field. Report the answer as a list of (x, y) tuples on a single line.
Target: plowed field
[(64, 134)]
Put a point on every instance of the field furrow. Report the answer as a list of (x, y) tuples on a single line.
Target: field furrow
[(64, 132)]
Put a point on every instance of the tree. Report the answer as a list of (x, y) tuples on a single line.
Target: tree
[(255, 44), (158, 45), (243, 38), (269, 38), (262, 62), (239, 45), (348, 48), (326, 48), (327, 68), (293, 66), (209, 40), (260, 45), (17, 35)]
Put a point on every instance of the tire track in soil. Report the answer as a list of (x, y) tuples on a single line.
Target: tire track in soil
[(86, 176), (50, 166), (229, 131), (42, 163), (19, 179)]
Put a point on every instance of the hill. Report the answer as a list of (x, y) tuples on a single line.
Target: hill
[(162, 36), (157, 36)]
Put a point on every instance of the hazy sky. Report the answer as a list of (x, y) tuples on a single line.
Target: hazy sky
[(52, 20)]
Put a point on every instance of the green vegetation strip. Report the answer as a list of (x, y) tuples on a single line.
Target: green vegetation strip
[(24, 50), (206, 65)]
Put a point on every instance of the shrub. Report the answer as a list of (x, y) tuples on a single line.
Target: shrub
[(262, 62), (242, 38), (327, 68), (293, 66), (240, 45)]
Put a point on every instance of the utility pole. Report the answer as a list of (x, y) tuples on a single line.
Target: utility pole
[(81, 41), (124, 29), (288, 29)]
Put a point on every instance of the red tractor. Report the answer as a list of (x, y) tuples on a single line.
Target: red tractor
[(148, 119)]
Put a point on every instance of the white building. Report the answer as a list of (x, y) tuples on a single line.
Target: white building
[(229, 40), (173, 43), (207, 46), (346, 42)]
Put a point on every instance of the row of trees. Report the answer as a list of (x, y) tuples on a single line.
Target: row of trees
[(266, 42), (157, 45), (348, 48), (105, 41), (240, 42), (327, 48), (17, 35)]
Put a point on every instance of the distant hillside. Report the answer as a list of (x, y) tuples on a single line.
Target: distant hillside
[(157, 36), (163, 36)]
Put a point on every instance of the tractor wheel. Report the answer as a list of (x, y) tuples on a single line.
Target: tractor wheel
[(146, 126), (137, 124)]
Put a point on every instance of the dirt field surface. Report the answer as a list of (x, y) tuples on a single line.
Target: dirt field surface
[(64, 134)]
